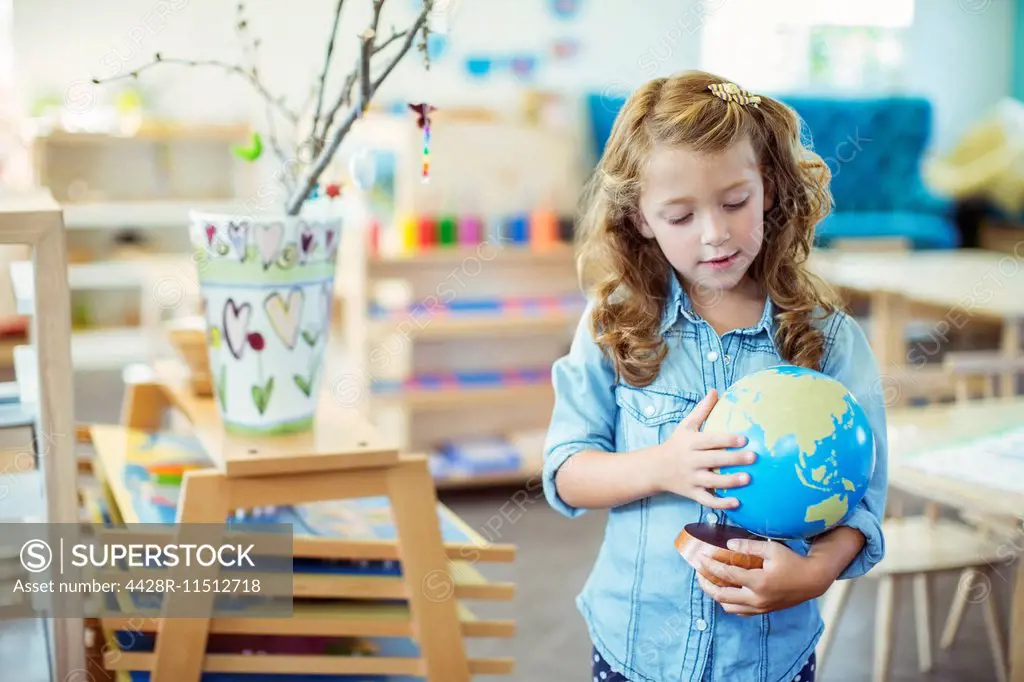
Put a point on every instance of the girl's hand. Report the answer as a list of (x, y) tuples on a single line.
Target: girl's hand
[(685, 463), (786, 579)]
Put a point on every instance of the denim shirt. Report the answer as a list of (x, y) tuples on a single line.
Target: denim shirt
[(645, 612)]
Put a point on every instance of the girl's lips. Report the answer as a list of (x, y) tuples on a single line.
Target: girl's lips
[(721, 263)]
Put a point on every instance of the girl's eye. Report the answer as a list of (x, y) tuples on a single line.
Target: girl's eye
[(737, 205), (680, 221)]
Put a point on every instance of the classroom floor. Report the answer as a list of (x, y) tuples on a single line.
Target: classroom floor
[(552, 643)]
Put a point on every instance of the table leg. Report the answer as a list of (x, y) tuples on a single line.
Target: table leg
[(888, 336), (889, 339), (181, 642), (144, 406), (427, 572), (1017, 626)]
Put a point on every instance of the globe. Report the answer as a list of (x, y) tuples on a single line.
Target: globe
[(815, 451)]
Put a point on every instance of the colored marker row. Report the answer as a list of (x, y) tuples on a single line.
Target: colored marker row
[(415, 233)]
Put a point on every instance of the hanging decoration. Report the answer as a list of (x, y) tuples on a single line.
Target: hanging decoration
[(423, 111)]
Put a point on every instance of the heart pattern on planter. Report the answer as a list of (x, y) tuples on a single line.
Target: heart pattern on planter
[(236, 326), (238, 235), (268, 242), (307, 238), (267, 287), (285, 316)]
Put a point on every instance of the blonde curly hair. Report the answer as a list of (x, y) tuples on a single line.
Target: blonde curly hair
[(627, 275)]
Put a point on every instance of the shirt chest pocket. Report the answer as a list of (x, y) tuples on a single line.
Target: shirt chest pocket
[(648, 416)]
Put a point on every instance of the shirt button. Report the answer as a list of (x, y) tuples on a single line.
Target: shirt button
[(712, 355), (701, 624), (728, 359), (649, 410)]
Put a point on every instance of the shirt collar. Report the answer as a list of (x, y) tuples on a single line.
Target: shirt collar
[(679, 303)]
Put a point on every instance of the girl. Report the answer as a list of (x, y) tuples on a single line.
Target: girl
[(701, 217)]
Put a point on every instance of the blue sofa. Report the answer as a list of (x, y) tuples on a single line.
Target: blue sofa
[(874, 147)]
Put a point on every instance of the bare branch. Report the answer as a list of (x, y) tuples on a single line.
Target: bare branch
[(242, 28), (378, 5), (278, 151), (322, 161), (277, 102), (364, 70), (395, 35), (325, 154), (344, 98), (250, 51), (421, 20), (327, 64)]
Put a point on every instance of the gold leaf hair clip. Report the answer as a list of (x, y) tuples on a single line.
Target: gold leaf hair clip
[(730, 92)]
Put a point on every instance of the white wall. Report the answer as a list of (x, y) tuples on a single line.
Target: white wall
[(960, 60), (60, 42)]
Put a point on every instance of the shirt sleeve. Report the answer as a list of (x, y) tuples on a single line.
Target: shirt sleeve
[(852, 362), (584, 413)]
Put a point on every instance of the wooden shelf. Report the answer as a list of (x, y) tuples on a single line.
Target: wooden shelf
[(450, 398), (462, 333), (340, 439), (430, 629), (489, 252), (142, 214), (328, 619), (115, 659), (108, 349), (467, 326), (153, 132), (111, 275), (498, 480)]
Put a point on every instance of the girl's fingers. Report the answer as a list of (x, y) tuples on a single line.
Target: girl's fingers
[(717, 441), (708, 479), (714, 502), (716, 459), (699, 413)]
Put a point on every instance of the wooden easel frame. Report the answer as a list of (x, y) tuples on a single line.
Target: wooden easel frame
[(209, 496), (37, 220)]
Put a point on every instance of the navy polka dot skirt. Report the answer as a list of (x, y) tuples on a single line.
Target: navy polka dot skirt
[(604, 673)]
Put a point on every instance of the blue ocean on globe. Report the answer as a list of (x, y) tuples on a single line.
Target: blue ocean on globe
[(815, 451)]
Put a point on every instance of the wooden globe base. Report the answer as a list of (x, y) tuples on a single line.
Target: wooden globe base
[(711, 539)]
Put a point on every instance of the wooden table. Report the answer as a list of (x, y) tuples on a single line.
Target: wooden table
[(342, 457), (956, 287), (912, 430)]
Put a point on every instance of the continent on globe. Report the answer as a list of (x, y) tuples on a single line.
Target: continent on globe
[(814, 445)]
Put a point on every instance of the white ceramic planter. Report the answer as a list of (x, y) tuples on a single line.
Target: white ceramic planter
[(267, 289)]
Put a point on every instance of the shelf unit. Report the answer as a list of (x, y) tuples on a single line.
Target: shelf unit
[(142, 183), (35, 220), (344, 457), (164, 285), (405, 363)]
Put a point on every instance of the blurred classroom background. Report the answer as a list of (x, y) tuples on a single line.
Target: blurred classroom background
[(454, 296)]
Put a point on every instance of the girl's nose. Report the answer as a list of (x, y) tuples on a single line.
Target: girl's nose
[(716, 230)]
